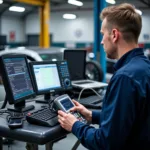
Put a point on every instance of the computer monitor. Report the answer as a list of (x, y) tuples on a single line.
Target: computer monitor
[(3, 42), (17, 80), (3, 39), (76, 63), (45, 76), (50, 77)]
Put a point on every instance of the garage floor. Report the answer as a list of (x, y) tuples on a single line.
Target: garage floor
[(64, 144)]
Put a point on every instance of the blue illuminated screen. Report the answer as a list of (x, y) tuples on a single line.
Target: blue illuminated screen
[(19, 78), (66, 104), (47, 77)]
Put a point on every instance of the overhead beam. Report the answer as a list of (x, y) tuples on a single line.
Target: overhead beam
[(6, 8), (9, 4), (146, 2), (29, 12), (31, 2)]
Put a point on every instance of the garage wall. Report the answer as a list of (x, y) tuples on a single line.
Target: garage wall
[(13, 24), (79, 30), (145, 34)]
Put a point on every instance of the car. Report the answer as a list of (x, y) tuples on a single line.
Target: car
[(93, 68)]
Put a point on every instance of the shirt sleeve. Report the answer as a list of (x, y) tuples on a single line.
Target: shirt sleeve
[(117, 118), (96, 117)]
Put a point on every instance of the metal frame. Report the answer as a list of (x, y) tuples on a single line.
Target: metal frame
[(44, 8), (146, 2), (98, 6)]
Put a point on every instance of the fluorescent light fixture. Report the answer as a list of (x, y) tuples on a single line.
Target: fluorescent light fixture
[(69, 16), (111, 1), (138, 11), (17, 9), (75, 2), (1, 1)]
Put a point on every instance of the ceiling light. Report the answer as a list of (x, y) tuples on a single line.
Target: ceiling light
[(75, 2), (69, 16), (111, 1), (138, 11), (17, 9), (1, 1)]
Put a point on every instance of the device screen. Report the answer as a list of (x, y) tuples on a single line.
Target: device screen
[(76, 63), (47, 77), (15, 121), (18, 76), (67, 104)]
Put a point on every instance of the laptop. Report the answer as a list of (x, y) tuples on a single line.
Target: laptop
[(76, 63)]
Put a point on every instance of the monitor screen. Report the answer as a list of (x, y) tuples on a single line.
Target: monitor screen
[(76, 63), (16, 78), (46, 77), (67, 104), (3, 40)]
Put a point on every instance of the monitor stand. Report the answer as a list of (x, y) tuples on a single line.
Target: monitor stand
[(21, 107), (47, 97)]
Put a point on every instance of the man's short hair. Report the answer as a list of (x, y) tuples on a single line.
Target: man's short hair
[(125, 18)]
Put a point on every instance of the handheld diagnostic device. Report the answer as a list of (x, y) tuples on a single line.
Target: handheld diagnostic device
[(64, 103)]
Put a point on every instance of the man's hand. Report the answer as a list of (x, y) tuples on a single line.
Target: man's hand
[(66, 120), (87, 114)]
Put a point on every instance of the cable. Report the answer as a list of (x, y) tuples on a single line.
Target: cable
[(4, 103), (12, 114), (51, 103), (4, 111), (90, 89)]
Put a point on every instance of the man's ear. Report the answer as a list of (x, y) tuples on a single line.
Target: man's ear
[(115, 35)]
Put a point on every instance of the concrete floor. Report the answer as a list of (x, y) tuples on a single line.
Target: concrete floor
[(64, 144)]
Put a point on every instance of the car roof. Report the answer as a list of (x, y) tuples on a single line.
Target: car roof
[(51, 50)]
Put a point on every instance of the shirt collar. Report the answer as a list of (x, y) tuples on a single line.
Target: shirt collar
[(127, 57)]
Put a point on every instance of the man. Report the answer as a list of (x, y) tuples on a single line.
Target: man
[(124, 122)]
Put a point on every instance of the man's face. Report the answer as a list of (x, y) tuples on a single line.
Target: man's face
[(107, 41)]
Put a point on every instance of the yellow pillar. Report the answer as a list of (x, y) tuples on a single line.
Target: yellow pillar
[(44, 18)]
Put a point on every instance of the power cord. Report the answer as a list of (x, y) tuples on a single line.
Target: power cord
[(4, 111), (79, 97), (8, 116), (4, 103), (12, 114), (51, 106), (51, 103)]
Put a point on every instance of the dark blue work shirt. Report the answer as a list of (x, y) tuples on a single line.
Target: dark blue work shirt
[(124, 122)]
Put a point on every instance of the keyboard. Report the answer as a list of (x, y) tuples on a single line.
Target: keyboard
[(92, 101), (43, 117)]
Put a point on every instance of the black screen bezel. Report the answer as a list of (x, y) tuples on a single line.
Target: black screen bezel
[(34, 78), (6, 82), (76, 51)]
